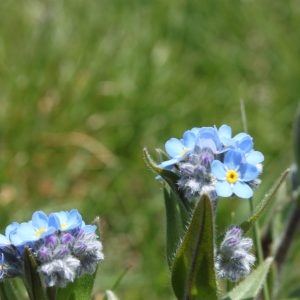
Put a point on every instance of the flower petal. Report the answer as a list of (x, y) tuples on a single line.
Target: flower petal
[(248, 172), (254, 157), (39, 219), (232, 159), (174, 147), (223, 189), (225, 134), (242, 190), (4, 241), (218, 170), (169, 163), (189, 139), (244, 142)]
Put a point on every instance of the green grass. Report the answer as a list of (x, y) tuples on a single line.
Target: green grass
[(85, 85)]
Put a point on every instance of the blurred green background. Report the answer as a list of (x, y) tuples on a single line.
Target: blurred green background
[(85, 85)]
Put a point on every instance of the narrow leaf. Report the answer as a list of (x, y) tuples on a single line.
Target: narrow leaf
[(251, 285), (265, 203), (175, 224), (193, 273), (32, 279), (170, 177), (9, 290), (80, 289)]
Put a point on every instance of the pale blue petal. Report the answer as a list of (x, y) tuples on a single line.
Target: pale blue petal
[(232, 159), (189, 139), (223, 189), (217, 169), (11, 228), (39, 219), (89, 228), (195, 130), (245, 144), (210, 133), (54, 221), (242, 190), (4, 241), (248, 172), (169, 163), (174, 147), (74, 219), (207, 143), (65, 220), (240, 136), (254, 157), (225, 132), (24, 233)]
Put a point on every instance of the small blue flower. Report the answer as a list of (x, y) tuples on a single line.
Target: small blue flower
[(233, 175), (65, 220), (31, 231), (63, 245), (179, 149), (208, 138), (242, 141)]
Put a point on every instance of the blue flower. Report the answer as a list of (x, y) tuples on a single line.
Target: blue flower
[(65, 220), (242, 141), (208, 138), (179, 149), (38, 227), (233, 175)]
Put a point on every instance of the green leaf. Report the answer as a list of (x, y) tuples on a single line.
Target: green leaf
[(193, 273), (80, 289), (175, 224), (32, 279), (265, 203), (251, 285), (170, 177), (9, 290)]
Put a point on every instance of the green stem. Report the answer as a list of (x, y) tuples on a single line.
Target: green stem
[(258, 248), (51, 292)]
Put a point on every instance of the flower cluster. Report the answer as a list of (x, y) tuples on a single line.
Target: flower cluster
[(234, 260), (212, 161), (63, 246)]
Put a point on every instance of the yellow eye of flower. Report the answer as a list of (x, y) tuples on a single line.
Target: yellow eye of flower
[(40, 231), (63, 226), (184, 151), (232, 176)]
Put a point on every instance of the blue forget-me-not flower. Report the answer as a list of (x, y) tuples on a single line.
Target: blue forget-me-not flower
[(212, 161), (233, 175), (64, 247)]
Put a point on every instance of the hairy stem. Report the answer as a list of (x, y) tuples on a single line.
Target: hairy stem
[(258, 248)]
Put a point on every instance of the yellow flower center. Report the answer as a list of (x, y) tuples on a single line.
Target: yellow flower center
[(40, 231), (232, 176), (184, 151), (63, 226)]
